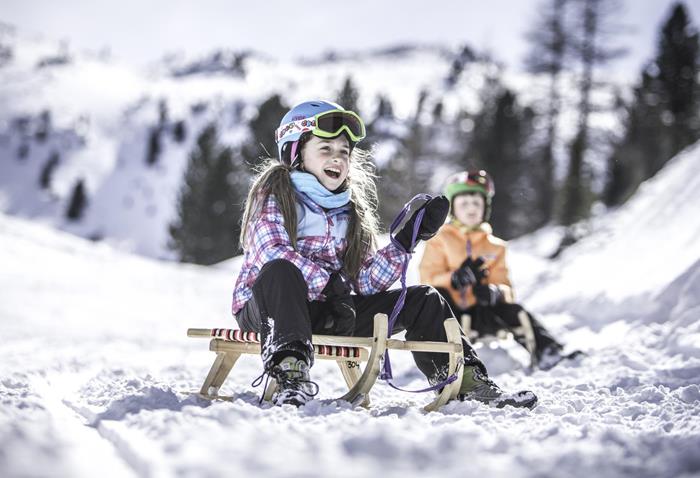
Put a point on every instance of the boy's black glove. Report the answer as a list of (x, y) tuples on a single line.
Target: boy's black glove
[(477, 267), (463, 277), (340, 309), (469, 273), (436, 210), (487, 294)]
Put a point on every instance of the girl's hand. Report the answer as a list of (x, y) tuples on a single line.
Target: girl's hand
[(436, 210), (340, 308)]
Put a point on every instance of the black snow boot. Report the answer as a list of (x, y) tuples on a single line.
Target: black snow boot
[(477, 386), (552, 356), (294, 386)]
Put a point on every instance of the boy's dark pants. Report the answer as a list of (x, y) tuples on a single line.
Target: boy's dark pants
[(487, 320), (280, 312)]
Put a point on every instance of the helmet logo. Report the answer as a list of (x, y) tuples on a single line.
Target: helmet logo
[(302, 125)]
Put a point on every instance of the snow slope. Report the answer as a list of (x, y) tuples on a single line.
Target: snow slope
[(96, 371), (630, 256)]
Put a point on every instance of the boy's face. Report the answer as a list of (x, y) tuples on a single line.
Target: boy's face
[(469, 209), (327, 159)]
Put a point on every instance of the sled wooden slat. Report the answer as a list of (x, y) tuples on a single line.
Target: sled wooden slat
[(348, 352), (417, 346), (368, 378), (217, 345), (455, 366), (525, 331), (223, 364), (340, 340)]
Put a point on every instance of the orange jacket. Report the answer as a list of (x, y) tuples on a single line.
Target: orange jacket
[(445, 252)]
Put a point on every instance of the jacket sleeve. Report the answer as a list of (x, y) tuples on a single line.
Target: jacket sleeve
[(500, 276), (434, 269), (269, 240), (381, 269)]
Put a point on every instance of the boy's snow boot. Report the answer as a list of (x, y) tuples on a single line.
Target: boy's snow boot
[(477, 386), (294, 386), (553, 355)]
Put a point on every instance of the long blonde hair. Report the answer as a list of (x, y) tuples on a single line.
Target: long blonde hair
[(273, 178)]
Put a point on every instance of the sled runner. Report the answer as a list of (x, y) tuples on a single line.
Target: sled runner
[(525, 330), (348, 352)]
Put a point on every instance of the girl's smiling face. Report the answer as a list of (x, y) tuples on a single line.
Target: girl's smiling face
[(327, 159), (469, 209)]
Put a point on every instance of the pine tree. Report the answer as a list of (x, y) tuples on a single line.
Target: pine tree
[(348, 96), (385, 109), (78, 202), (210, 204), (399, 178), (677, 83), (180, 131), (378, 128), (23, 151), (592, 49), (163, 113), (155, 135), (549, 40), (43, 127), (154, 147), (48, 169), (437, 112), (664, 114), (226, 193), (262, 130), (464, 57), (6, 51), (645, 139), (500, 145)]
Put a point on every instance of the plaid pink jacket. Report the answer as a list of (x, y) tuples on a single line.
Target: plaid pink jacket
[(316, 256)]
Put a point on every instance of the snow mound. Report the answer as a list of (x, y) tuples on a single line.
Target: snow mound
[(623, 267)]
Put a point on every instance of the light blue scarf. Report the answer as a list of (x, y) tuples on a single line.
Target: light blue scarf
[(308, 184)]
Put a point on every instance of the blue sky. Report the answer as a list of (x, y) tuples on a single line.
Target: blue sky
[(141, 31)]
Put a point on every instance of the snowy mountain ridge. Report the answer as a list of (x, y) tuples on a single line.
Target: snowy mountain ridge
[(88, 117)]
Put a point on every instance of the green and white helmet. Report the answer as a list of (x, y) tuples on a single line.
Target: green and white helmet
[(471, 182)]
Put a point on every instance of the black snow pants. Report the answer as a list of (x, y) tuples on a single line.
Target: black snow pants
[(487, 320), (280, 312)]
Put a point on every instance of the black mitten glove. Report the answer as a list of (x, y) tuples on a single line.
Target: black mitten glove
[(469, 273), (436, 210), (340, 309), (463, 276), (477, 267), (487, 294)]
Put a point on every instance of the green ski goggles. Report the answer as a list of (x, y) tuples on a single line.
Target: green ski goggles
[(328, 124)]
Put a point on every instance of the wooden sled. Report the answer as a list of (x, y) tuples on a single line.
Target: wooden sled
[(524, 330), (348, 352)]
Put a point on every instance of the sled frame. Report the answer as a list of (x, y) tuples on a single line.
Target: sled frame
[(524, 330), (369, 350)]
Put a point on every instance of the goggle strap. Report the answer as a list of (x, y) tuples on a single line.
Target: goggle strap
[(293, 153)]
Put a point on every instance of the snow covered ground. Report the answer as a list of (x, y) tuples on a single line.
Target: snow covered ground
[(96, 370)]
